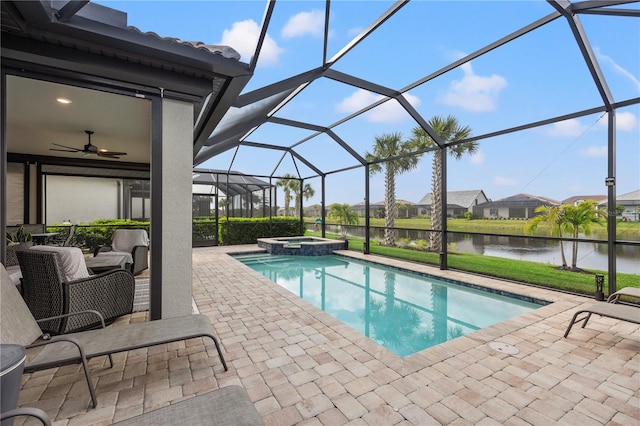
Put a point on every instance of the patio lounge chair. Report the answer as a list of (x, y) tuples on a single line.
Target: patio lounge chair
[(133, 243), (18, 326), (55, 282), (228, 406), (611, 310), (626, 291)]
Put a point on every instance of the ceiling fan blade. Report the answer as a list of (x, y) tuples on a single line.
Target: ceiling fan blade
[(63, 150), (109, 155), (106, 152), (64, 146), (89, 148)]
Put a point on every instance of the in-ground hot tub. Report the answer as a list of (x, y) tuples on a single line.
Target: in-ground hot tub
[(301, 246)]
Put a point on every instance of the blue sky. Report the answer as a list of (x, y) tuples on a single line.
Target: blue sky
[(538, 76)]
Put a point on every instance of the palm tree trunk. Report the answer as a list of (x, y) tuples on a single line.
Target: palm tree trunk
[(435, 238), (574, 257), (564, 259), (389, 206), (287, 201)]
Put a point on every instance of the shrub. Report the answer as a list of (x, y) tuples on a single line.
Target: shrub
[(204, 229), (421, 245), (241, 230), (403, 242), (100, 232)]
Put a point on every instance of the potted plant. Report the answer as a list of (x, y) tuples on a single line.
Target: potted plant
[(20, 239), (18, 236)]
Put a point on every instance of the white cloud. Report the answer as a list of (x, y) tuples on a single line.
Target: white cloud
[(477, 158), (504, 181), (389, 112), (243, 37), (566, 128), (617, 68), (352, 32), (595, 151), (625, 121), (305, 23), (474, 92)]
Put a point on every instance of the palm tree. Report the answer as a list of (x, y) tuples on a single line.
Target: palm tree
[(450, 131), (287, 183), (307, 192), (391, 145), (551, 216), (223, 203), (576, 219), (343, 214)]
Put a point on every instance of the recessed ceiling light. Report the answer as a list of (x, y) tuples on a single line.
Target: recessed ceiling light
[(63, 100)]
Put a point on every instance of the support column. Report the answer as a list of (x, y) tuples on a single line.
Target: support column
[(175, 230), (610, 182)]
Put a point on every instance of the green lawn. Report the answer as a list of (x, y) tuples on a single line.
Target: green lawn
[(516, 270)]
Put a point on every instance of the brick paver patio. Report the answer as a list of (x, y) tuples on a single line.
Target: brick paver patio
[(301, 366)]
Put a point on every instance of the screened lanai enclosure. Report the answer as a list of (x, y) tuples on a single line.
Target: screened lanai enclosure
[(425, 125), (413, 107), (231, 194)]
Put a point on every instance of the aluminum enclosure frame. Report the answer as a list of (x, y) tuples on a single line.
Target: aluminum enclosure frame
[(561, 9)]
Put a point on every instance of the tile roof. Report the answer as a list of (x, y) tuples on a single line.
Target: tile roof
[(464, 199), (225, 51), (521, 200), (577, 198)]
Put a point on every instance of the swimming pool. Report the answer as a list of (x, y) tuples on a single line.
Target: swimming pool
[(404, 312)]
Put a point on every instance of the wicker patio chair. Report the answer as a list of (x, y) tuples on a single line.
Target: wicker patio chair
[(50, 290), (133, 243), (19, 327)]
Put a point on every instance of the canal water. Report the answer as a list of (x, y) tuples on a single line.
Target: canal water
[(590, 255)]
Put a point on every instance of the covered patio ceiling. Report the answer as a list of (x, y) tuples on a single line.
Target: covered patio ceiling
[(88, 54)]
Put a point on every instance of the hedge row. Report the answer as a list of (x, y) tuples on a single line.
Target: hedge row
[(99, 233), (232, 231), (239, 230)]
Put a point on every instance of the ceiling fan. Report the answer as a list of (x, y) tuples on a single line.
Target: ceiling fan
[(90, 149)]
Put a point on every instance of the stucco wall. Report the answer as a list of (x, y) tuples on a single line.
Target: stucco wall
[(177, 160)]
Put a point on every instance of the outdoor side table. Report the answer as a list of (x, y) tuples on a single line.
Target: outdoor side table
[(100, 264), (12, 359)]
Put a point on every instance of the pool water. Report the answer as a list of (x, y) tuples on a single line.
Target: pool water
[(404, 312)]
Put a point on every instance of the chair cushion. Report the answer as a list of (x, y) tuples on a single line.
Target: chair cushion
[(127, 239), (127, 254), (71, 259)]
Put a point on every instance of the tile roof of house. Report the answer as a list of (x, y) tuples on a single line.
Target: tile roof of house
[(381, 203), (577, 198), (461, 198), (225, 51), (629, 196), (522, 200)]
